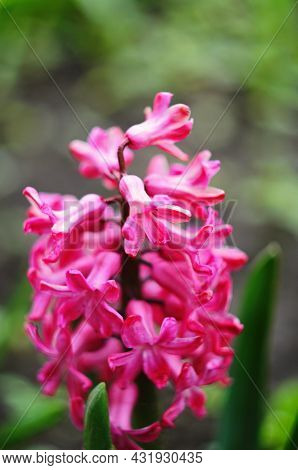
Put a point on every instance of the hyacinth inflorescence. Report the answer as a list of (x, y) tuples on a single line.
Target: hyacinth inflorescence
[(135, 284)]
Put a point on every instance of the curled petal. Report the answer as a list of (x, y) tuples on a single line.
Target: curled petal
[(120, 359), (172, 413), (172, 149), (156, 230), (134, 332), (39, 307), (105, 319), (168, 330), (161, 102), (76, 281), (173, 214), (156, 367), (54, 289), (182, 346), (50, 377), (187, 378), (146, 434), (131, 363), (234, 257), (110, 291), (32, 332), (69, 310)]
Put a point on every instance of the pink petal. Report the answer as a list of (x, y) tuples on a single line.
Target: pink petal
[(76, 281), (134, 333), (33, 334), (33, 197), (77, 411), (120, 359), (132, 189), (182, 346), (91, 162), (161, 102), (187, 378), (77, 382), (131, 362), (63, 342), (234, 257), (156, 230), (122, 402), (158, 165), (142, 309), (168, 330), (70, 310), (104, 319), (172, 149), (176, 116), (202, 236), (54, 289), (173, 214), (39, 307), (196, 402), (50, 377), (110, 291), (132, 247), (173, 412), (146, 434), (156, 368)]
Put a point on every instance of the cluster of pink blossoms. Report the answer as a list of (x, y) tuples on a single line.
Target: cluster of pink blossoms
[(137, 283)]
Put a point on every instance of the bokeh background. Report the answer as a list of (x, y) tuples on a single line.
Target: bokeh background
[(67, 65)]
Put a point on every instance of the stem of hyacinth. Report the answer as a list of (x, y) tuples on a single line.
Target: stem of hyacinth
[(146, 409), (120, 155)]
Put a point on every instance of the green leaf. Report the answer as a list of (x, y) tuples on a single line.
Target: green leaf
[(292, 443), (243, 412), (97, 435), (28, 413), (280, 418)]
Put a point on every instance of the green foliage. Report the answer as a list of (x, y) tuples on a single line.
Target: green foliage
[(292, 443), (280, 417), (272, 188), (97, 434), (244, 407), (12, 318), (216, 42), (28, 413)]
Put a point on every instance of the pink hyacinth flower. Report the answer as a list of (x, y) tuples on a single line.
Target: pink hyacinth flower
[(61, 223), (98, 156), (148, 217), (150, 351), (166, 315), (122, 402), (188, 393), (185, 183), (90, 296), (164, 126)]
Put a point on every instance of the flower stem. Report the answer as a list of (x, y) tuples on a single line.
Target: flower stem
[(146, 410), (120, 155)]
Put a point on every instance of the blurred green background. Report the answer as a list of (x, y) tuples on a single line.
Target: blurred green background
[(67, 65)]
